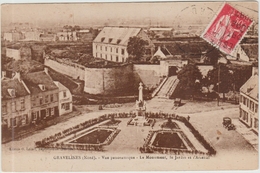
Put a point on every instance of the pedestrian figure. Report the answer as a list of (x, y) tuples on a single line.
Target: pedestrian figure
[(188, 118)]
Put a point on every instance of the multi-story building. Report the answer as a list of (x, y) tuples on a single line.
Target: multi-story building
[(65, 99), (44, 95), (12, 36), (111, 43), (249, 103), (16, 103)]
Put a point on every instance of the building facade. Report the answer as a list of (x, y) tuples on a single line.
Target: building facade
[(65, 99), (44, 95), (12, 36), (18, 52), (111, 42), (249, 103), (16, 103)]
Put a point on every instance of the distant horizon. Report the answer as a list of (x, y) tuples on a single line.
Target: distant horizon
[(118, 14)]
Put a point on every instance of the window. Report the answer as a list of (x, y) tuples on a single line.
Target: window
[(64, 94), (46, 98), (123, 51), (116, 58), (106, 56), (111, 49), (24, 119), (41, 100), (65, 106), (47, 112), (123, 59), (116, 50), (244, 100), (100, 47), (51, 97), (22, 104), (111, 57), (34, 117), (256, 123), (13, 122), (52, 111), (4, 108), (13, 106), (256, 108), (106, 48)]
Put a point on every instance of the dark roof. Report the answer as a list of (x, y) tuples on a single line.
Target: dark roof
[(15, 84), (15, 46), (250, 88), (33, 80), (164, 50), (251, 50), (194, 49)]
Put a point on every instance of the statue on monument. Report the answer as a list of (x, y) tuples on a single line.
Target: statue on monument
[(140, 104)]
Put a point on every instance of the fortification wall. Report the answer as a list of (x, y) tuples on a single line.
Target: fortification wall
[(112, 80), (71, 69), (149, 75)]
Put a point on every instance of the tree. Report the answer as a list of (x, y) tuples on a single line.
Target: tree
[(190, 77), (136, 47), (222, 76), (76, 28), (167, 34)]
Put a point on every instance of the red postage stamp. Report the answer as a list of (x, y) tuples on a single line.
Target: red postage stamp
[(227, 29)]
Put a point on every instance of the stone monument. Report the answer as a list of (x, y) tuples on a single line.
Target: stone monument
[(140, 119), (140, 103)]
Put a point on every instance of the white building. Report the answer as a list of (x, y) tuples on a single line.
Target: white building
[(18, 52), (111, 42), (12, 36), (249, 103), (65, 99), (67, 36)]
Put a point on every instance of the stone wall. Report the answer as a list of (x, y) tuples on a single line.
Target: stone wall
[(73, 70), (149, 75), (114, 80)]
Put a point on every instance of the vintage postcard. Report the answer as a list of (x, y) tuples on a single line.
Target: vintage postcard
[(140, 86)]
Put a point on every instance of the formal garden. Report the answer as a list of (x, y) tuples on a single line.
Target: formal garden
[(167, 134)]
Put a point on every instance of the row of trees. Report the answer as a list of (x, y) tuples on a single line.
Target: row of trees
[(221, 77)]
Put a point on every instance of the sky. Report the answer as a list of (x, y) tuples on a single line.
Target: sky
[(89, 13)]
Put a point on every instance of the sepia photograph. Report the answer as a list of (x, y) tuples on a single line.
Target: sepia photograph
[(129, 86)]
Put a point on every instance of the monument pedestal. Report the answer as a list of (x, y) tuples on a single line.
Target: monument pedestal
[(140, 119)]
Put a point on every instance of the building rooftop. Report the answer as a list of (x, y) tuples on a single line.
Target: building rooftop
[(15, 46), (35, 79), (251, 50), (116, 35), (250, 88), (60, 86), (15, 85)]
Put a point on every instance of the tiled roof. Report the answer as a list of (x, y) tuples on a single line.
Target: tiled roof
[(60, 86), (193, 49), (116, 35), (250, 88), (33, 80), (15, 84), (251, 50)]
